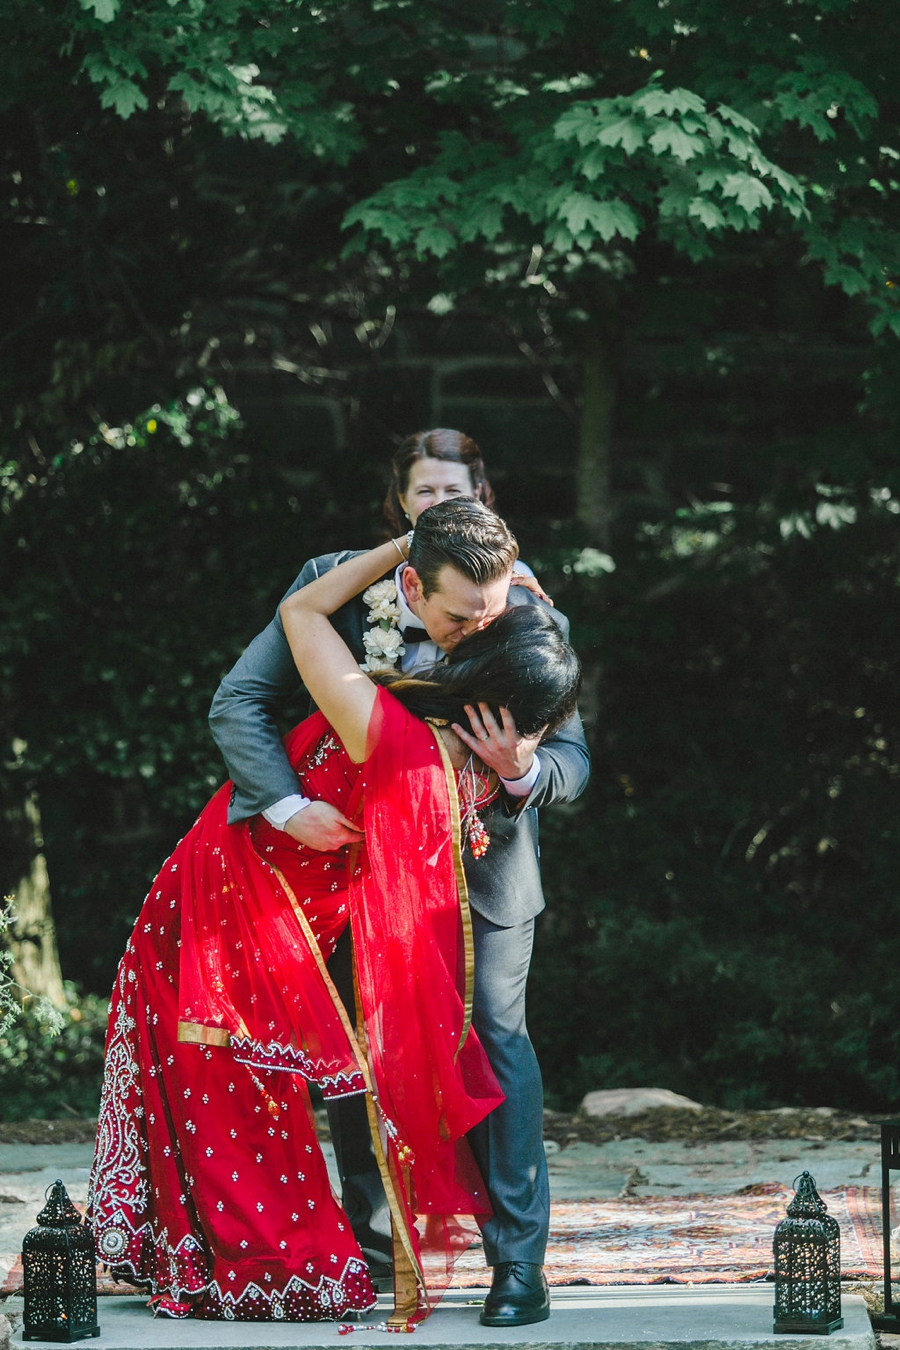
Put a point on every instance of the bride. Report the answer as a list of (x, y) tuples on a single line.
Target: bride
[(208, 1184)]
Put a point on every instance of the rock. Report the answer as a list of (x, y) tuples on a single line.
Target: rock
[(4, 1333), (807, 1110), (634, 1179), (631, 1101)]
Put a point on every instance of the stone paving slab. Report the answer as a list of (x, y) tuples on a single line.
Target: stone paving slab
[(601, 1171), (580, 1171), (26, 1170), (725, 1317)]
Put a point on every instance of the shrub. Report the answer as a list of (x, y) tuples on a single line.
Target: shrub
[(48, 1073)]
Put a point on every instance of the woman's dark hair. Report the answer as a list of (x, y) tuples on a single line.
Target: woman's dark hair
[(521, 662), (439, 443)]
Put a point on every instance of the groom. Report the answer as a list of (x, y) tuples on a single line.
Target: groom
[(457, 580)]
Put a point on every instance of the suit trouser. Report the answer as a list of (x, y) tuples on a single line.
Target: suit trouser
[(508, 1144)]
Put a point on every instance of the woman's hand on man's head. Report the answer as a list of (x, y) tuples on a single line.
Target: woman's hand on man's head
[(498, 744), (530, 583)]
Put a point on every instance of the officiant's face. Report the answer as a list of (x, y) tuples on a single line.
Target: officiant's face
[(435, 480), (457, 606)]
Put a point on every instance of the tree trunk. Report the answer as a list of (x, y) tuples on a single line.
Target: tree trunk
[(594, 505), (32, 935)]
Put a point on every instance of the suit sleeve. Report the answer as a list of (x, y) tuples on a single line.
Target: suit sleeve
[(565, 768), (243, 716)]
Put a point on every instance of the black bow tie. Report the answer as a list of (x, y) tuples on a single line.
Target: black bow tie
[(412, 635)]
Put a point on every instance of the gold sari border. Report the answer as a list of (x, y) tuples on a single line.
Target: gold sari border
[(195, 1033), (465, 912), (335, 997), (409, 1278)]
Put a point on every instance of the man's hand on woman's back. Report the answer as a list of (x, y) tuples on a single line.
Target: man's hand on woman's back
[(322, 827)]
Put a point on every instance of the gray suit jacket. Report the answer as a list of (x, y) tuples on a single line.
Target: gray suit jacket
[(505, 884)]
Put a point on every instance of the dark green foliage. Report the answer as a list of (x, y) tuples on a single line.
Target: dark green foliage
[(722, 899), (174, 182), (137, 565), (47, 1073), (725, 899)]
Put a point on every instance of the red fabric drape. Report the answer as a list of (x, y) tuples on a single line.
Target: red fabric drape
[(252, 974)]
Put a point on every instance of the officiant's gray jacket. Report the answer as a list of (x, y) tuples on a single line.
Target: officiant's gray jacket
[(505, 884)]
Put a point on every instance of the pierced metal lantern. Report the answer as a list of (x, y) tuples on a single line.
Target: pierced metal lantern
[(807, 1265), (60, 1273), (889, 1320)]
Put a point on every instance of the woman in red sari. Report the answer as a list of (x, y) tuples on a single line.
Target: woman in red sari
[(208, 1182)]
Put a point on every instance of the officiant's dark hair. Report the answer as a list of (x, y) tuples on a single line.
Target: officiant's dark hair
[(521, 662), (454, 447), (461, 533)]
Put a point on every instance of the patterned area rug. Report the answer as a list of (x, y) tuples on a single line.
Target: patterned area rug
[(699, 1239), (695, 1239)]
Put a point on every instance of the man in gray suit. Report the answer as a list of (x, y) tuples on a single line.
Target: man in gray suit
[(441, 601)]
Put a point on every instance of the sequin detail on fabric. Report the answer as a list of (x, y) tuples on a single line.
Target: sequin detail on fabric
[(209, 1185)]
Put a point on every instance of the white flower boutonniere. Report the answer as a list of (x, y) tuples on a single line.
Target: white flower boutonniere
[(383, 641)]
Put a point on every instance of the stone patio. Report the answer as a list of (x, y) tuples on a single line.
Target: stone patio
[(706, 1317)]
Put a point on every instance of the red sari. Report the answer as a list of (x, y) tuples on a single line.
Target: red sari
[(208, 1182)]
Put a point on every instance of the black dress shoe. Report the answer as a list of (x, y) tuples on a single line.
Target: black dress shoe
[(518, 1295)]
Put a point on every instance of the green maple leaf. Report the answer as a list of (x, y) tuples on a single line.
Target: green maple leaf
[(850, 279), (434, 239), (671, 137), (586, 216), (125, 97), (579, 122), (742, 123), (886, 322), (675, 200), (560, 239), (105, 10), (749, 193), (706, 212), (654, 101), (625, 131), (190, 90), (594, 163), (374, 218), (486, 219), (578, 211), (712, 176)]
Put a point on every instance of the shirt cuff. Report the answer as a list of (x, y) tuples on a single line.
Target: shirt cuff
[(279, 813), (520, 787)]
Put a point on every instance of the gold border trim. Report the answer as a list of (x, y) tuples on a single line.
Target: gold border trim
[(323, 971), (195, 1033), (398, 1216), (465, 912), (409, 1278)]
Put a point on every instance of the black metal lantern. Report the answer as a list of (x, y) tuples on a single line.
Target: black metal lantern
[(60, 1273), (889, 1320), (808, 1265)]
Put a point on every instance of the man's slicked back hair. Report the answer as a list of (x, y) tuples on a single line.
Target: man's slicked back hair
[(463, 534)]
